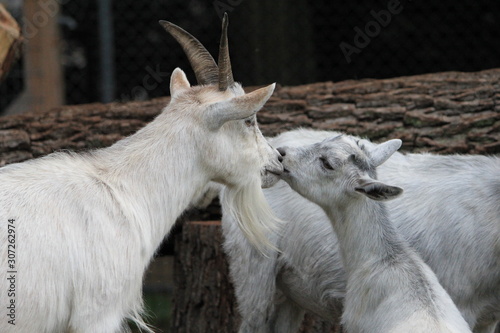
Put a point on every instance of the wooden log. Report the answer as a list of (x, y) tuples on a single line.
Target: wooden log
[(203, 295), (10, 41), (443, 112), (79, 127)]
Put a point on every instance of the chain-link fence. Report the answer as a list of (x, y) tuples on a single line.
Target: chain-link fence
[(122, 53)]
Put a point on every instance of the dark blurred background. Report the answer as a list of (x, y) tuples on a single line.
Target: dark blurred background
[(117, 51)]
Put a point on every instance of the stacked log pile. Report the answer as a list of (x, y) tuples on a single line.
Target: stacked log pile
[(442, 113)]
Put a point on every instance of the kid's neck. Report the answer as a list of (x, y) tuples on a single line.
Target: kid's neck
[(365, 233)]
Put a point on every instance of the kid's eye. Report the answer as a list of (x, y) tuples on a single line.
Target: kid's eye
[(325, 163), (249, 122)]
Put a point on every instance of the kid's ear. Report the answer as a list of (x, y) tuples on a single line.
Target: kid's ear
[(377, 191), (178, 82), (381, 153)]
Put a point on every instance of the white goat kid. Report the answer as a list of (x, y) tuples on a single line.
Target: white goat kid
[(450, 214), (87, 225), (389, 287)]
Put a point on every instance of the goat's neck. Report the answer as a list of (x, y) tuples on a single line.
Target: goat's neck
[(365, 233), (154, 175)]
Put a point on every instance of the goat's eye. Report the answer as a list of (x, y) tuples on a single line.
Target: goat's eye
[(325, 163), (249, 122)]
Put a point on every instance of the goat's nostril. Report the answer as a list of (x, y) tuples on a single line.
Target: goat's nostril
[(282, 153)]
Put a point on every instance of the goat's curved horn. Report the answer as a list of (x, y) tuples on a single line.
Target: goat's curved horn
[(225, 72), (201, 61)]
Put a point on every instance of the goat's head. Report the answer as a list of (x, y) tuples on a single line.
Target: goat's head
[(224, 114), (232, 149), (338, 169)]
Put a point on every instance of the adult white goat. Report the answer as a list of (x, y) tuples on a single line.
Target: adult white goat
[(389, 287), (449, 212), (80, 229)]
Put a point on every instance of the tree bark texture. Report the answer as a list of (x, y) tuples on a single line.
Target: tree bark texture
[(203, 295), (442, 112)]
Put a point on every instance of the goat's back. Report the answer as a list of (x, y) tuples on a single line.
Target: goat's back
[(450, 213)]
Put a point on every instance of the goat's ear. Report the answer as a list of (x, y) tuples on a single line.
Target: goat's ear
[(178, 82), (376, 190), (380, 153), (240, 107)]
